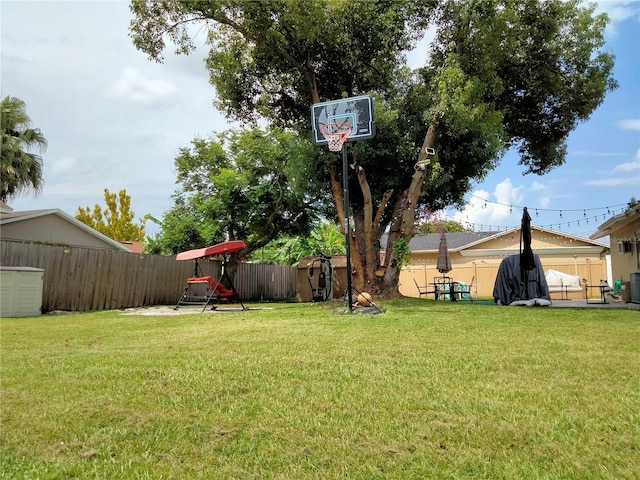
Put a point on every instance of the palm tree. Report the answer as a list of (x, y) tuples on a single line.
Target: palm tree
[(20, 169)]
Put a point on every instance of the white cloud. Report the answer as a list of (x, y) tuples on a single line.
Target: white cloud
[(630, 172), (618, 11), (60, 166), (133, 86), (497, 210), (506, 193), (587, 153), (76, 191), (537, 186), (544, 202), (633, 124), (629, 166), (613, 182)]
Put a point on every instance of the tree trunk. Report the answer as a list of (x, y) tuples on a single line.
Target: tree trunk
[(368, 272), (403, 218)]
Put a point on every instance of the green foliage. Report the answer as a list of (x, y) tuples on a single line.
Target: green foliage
[(325, 238), (401, 252), (116, 220), (268, 57), (249, 185), (540, 64), (181, 230), (447, 224), (20, 168), (532, 68)]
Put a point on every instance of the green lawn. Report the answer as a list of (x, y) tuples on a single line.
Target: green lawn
[(294, 391)]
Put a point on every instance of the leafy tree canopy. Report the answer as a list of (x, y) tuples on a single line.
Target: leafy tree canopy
[(20, 167), (250, 185), (324, 239), (116, 220), (500, 74), (438, 225)]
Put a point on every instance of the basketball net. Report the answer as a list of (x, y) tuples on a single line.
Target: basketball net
[(336, 134)]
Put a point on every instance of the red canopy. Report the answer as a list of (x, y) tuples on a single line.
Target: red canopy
[(218, 249)]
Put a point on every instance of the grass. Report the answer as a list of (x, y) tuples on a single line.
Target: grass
[(427, 390)]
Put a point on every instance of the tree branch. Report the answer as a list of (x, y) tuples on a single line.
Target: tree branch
[(369, 232), (262, 39), (382, 207)]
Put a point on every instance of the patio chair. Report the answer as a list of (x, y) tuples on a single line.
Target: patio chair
[(422, 290), (465, 291), (442, 287)]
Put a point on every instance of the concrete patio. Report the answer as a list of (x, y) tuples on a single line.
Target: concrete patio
[(593, 303)]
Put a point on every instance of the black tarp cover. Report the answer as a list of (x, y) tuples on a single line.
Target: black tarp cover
[(509, 288)]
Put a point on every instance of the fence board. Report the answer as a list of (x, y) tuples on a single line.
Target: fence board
[(82, 279)]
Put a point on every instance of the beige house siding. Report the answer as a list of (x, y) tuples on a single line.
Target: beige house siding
[(623, 263), (479, 261), (623, 231), (53, 227)]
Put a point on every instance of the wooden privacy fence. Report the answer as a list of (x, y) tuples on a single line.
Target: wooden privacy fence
[(82, 279)]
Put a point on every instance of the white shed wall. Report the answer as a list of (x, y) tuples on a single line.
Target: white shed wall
[(21, 291)]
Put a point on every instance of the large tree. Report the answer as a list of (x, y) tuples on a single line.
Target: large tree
[(499, 74), (21, 164), (116, 220), (251, 185)]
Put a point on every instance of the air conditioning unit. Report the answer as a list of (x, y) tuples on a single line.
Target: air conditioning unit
[(635, 287)]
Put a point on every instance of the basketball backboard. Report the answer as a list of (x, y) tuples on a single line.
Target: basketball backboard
[(356, 111)]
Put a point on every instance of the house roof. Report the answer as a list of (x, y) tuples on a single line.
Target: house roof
[(458, 241), (135, 247), (618, 221), (455, 241), (19, 216), (4, 208)]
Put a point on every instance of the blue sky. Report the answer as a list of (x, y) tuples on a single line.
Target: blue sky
[(116, 120)]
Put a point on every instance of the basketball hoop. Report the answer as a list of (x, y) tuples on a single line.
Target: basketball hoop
[(336, 134)]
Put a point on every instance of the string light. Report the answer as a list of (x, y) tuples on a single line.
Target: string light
[(553, 226), (610, 210), (584, 210)]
